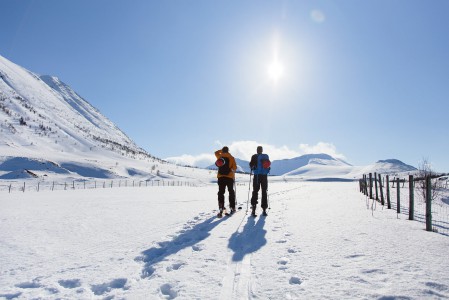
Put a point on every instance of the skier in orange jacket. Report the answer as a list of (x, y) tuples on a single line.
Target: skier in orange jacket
[(226, 175)]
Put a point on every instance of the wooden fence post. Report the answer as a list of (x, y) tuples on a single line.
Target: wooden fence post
[(381, 191), (363, 184), (370, 185), (24, 187), (388, 192), (411, 209), (398, 189), (366, 185), (362, 187), (428, 203), (375, 183)]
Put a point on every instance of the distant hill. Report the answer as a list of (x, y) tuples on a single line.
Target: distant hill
[(48, 130), (293, 166), (324, 166)]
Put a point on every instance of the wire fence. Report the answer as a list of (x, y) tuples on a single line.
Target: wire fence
[(424, 200), (33, 186)]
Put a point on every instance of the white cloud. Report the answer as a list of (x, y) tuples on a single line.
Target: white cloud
[(245, 149), (201, 160)]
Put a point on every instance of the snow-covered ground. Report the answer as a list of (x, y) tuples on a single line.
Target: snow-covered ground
[(320, 241)]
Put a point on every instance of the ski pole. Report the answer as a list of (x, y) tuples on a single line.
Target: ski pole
[(249, 190), (268, 200), (235, 191)]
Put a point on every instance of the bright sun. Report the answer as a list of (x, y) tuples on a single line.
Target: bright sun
[(275, 71)]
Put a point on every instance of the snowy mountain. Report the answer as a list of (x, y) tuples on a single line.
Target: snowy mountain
[(48, 130), (41, 111), (284, 166), (388, 166), (324, 166), (299, 165), (392, 166)]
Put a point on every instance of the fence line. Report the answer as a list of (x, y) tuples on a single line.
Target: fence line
[(429, 209), (73, 185)]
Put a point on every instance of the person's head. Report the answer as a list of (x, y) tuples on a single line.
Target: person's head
[(259, 149), (225, 149)]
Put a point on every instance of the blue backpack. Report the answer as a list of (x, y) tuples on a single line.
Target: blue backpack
[(263, 164)]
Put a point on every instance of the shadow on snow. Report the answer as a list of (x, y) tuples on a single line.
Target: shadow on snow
[(186, 238), (249, 240)]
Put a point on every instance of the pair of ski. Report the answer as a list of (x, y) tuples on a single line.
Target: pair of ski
[(253, 214), (226, 213)]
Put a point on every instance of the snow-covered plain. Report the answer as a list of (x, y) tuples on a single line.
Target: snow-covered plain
[(320, 241)]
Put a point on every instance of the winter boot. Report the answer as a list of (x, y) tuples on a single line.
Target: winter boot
[(253, 211)]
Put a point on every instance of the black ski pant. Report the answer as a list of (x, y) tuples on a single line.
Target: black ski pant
[(260, 181), (224, 182)]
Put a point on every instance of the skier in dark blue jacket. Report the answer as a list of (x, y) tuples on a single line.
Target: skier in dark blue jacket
[(260, 166)]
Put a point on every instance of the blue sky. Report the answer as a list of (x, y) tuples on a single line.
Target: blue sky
[(364, 80)]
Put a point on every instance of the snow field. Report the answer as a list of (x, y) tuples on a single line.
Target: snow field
[(319, 242)]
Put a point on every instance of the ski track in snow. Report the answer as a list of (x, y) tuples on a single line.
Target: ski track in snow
[(240, 280), (247, 235)]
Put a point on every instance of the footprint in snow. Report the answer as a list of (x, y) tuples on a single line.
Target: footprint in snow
[(354, 256), (167, 290), (198, 247), (29, 285), (175, 266), (283, 263), (295, 280), (437, 286), (70, 283), (281, 241), (100, 289)]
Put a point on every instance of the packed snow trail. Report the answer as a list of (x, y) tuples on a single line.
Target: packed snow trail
[(319, 241)]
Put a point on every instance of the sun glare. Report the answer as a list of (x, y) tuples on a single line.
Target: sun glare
[(275, 71)]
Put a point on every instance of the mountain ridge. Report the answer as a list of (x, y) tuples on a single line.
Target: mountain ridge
[(48, 129), (322, 163)]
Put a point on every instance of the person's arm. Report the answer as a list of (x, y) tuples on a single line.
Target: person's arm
[(253, 162), (218, 154)]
